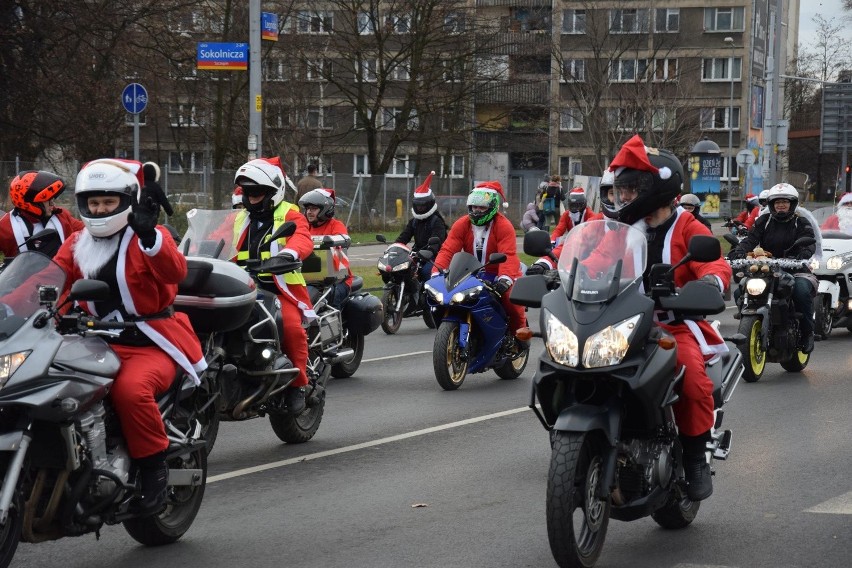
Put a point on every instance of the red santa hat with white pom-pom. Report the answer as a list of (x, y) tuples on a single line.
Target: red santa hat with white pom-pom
[(425, 188), (634, 155), (492, 186), (847, 198)]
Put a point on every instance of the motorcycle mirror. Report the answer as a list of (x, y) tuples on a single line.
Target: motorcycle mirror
[(529, 290), (497, 258), (89, 291), (434, 241), (381, 238), (731, 239), (704, 248), (43, 234), (537, 243), (285, 230), (425, 254)]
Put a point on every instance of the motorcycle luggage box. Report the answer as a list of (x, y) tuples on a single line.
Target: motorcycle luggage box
[(363, 313), (217, 295)]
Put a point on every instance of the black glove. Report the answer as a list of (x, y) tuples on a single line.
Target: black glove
[(143, 220), (502, 286), (712, 280), (286, 256), (537, 268)]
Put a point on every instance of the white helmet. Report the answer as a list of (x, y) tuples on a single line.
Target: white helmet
[(782, 191), (690, 199), (260, 175), (761, 198), (107, 177)]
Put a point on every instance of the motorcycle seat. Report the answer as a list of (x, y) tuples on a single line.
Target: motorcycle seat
[(357, 284)]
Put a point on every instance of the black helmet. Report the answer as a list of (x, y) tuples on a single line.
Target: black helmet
[(653, 189), (607, 204), (322, 198), (577, 200)]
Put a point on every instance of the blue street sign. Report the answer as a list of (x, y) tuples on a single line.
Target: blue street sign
[(134, 98)]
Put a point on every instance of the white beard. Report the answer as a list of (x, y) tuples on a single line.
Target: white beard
[(577, 217), (92, 253), (844, 219)]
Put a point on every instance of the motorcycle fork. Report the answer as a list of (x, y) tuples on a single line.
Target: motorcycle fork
[(13, 473), (399, 296)]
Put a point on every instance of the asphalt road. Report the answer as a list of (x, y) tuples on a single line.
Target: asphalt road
[(402, 473)]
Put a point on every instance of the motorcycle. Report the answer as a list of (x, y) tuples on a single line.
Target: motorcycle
[(607, 381), (65, 465), (336, 339), (473, 332), (239, 325), (768, 319), (403, 291), (833, 303)]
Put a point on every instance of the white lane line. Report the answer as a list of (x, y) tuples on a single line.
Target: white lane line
[(385, 358), (841, 505), (379, 442)]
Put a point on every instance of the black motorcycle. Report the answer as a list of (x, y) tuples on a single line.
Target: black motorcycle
[(768, 318), (403, 294), (65, 466), (607, 381)]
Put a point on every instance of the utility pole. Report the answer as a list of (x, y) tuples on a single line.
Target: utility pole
[(775, 68), (255, 143)]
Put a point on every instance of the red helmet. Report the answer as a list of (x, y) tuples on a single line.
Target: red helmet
[(31, 189)]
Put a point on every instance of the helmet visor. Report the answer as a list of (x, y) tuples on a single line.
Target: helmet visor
[(481, 198)]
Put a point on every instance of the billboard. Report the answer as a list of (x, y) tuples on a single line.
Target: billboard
[(223, 56)]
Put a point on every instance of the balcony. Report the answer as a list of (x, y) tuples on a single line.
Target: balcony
[(515, 94), (519, 43), (510, 141), (514, 3)]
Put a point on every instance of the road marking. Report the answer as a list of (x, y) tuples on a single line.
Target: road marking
[(838, 506), (394, 356), (356, 447)]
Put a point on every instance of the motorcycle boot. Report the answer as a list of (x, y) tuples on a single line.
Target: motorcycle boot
[(153, 481), (294, 398), (699, 480)]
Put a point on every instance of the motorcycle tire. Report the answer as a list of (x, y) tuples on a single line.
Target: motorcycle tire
[(181, 507), (678, 512), (447, 358), (204, 405), (345, 369), (823, 317), (576, 528), (428, 317), (393, 318), (297, 429), (797, 362), (754, 357), (513, 368), (10, 532)]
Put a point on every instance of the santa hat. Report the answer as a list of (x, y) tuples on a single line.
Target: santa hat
[(492, 186), (425, 189), (327, 192), (578, 191), (847, 197), (276, 161), (634, 155), (237, 197)]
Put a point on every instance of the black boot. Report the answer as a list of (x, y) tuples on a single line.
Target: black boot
[(153, 481), (695, 467), (294, 398)]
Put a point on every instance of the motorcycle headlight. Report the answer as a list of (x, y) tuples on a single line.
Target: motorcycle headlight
[(609, 345), (401, 267), (755, 286), (562, 344), (469, 295), (437, 296), (813, 264), (838, 261), (10, 363)]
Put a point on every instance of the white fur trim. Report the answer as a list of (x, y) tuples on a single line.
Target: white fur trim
[(847, 197), (158, 244), (665, 172), (292, 252)]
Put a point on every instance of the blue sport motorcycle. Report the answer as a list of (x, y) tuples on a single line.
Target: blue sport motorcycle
[(473, 333)]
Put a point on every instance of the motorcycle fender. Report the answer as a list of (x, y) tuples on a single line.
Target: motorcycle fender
[(832, 289), (11, 441), (587, 418), (464, 328)]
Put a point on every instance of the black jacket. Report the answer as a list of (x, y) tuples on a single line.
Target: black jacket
[(424, 229), (702, 220), (777, 237)]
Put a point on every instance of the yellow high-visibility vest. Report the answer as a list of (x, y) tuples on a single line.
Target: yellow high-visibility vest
[(278, 219)]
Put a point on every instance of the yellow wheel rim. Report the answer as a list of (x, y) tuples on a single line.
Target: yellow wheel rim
[(803, 357), (757, 357)]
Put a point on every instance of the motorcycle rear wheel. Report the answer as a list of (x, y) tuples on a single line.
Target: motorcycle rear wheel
[(428, 318), (209, 417), (181, 508), (393, 317), (344, 369), (577, 519), (823, 316), (513, 368), (450, 367), (754, 357), (797, 362), (297, 429), (677, 513)]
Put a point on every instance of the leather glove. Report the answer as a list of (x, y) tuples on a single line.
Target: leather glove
[(502, 286), (286, 256), (143, 220), (536, 268)]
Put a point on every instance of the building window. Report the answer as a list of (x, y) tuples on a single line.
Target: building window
[(570, 119), (143, 118), (455, 167), (629, 21), (400, 167), (186, 162), (625, 120), (400, 71), (319, 70), (729, 164), (363, 119), (360, 165), (391, 116), (663, 119), (452, 119), (276, 115), (665, 69), (314, 22), (182, 116), (718, 118), (573, 71), (366, 23), (311, 118), (627, 70), (454, 23), (275, 69), (493, 68), (398, 24), (453, 70), (724, 19), (667, 20), (302, 165), (366, 69), (573, 21), (721, 69), (570, 167)]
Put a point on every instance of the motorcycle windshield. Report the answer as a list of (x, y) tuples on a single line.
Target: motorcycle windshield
[(396, 254), (210, 234), (20, 282), (462, 265), (834, 223), (609, 256)]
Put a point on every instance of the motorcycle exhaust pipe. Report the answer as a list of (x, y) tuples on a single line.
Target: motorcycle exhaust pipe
[(342, 355)]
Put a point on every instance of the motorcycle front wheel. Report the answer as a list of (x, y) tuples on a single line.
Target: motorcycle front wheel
[(449, 361), (181, 507), (797, 362), (344, 369), (823, 316), (297, 429), (678, 512), (754, 357), (393, 317), (577, 519), (10, 531)]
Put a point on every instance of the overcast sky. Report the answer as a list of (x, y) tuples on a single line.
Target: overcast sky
[(828, 9)]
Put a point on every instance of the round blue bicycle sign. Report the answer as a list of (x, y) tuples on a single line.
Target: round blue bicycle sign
[(134, 98)]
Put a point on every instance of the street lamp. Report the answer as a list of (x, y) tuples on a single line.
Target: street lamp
[(730, 42)]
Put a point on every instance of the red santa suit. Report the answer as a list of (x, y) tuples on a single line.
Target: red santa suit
[(341, 260), (147, 282), (293, 294), (497, 236), (16, 227), (841, 220), (752, 217), (566, 222)]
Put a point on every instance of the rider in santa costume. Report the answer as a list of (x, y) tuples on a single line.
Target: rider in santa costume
[(577, 212), (841, 220), (484, 231), (123, 246), (318, 208)]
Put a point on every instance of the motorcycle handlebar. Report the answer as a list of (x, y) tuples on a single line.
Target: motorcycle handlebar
[(783, 263)]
